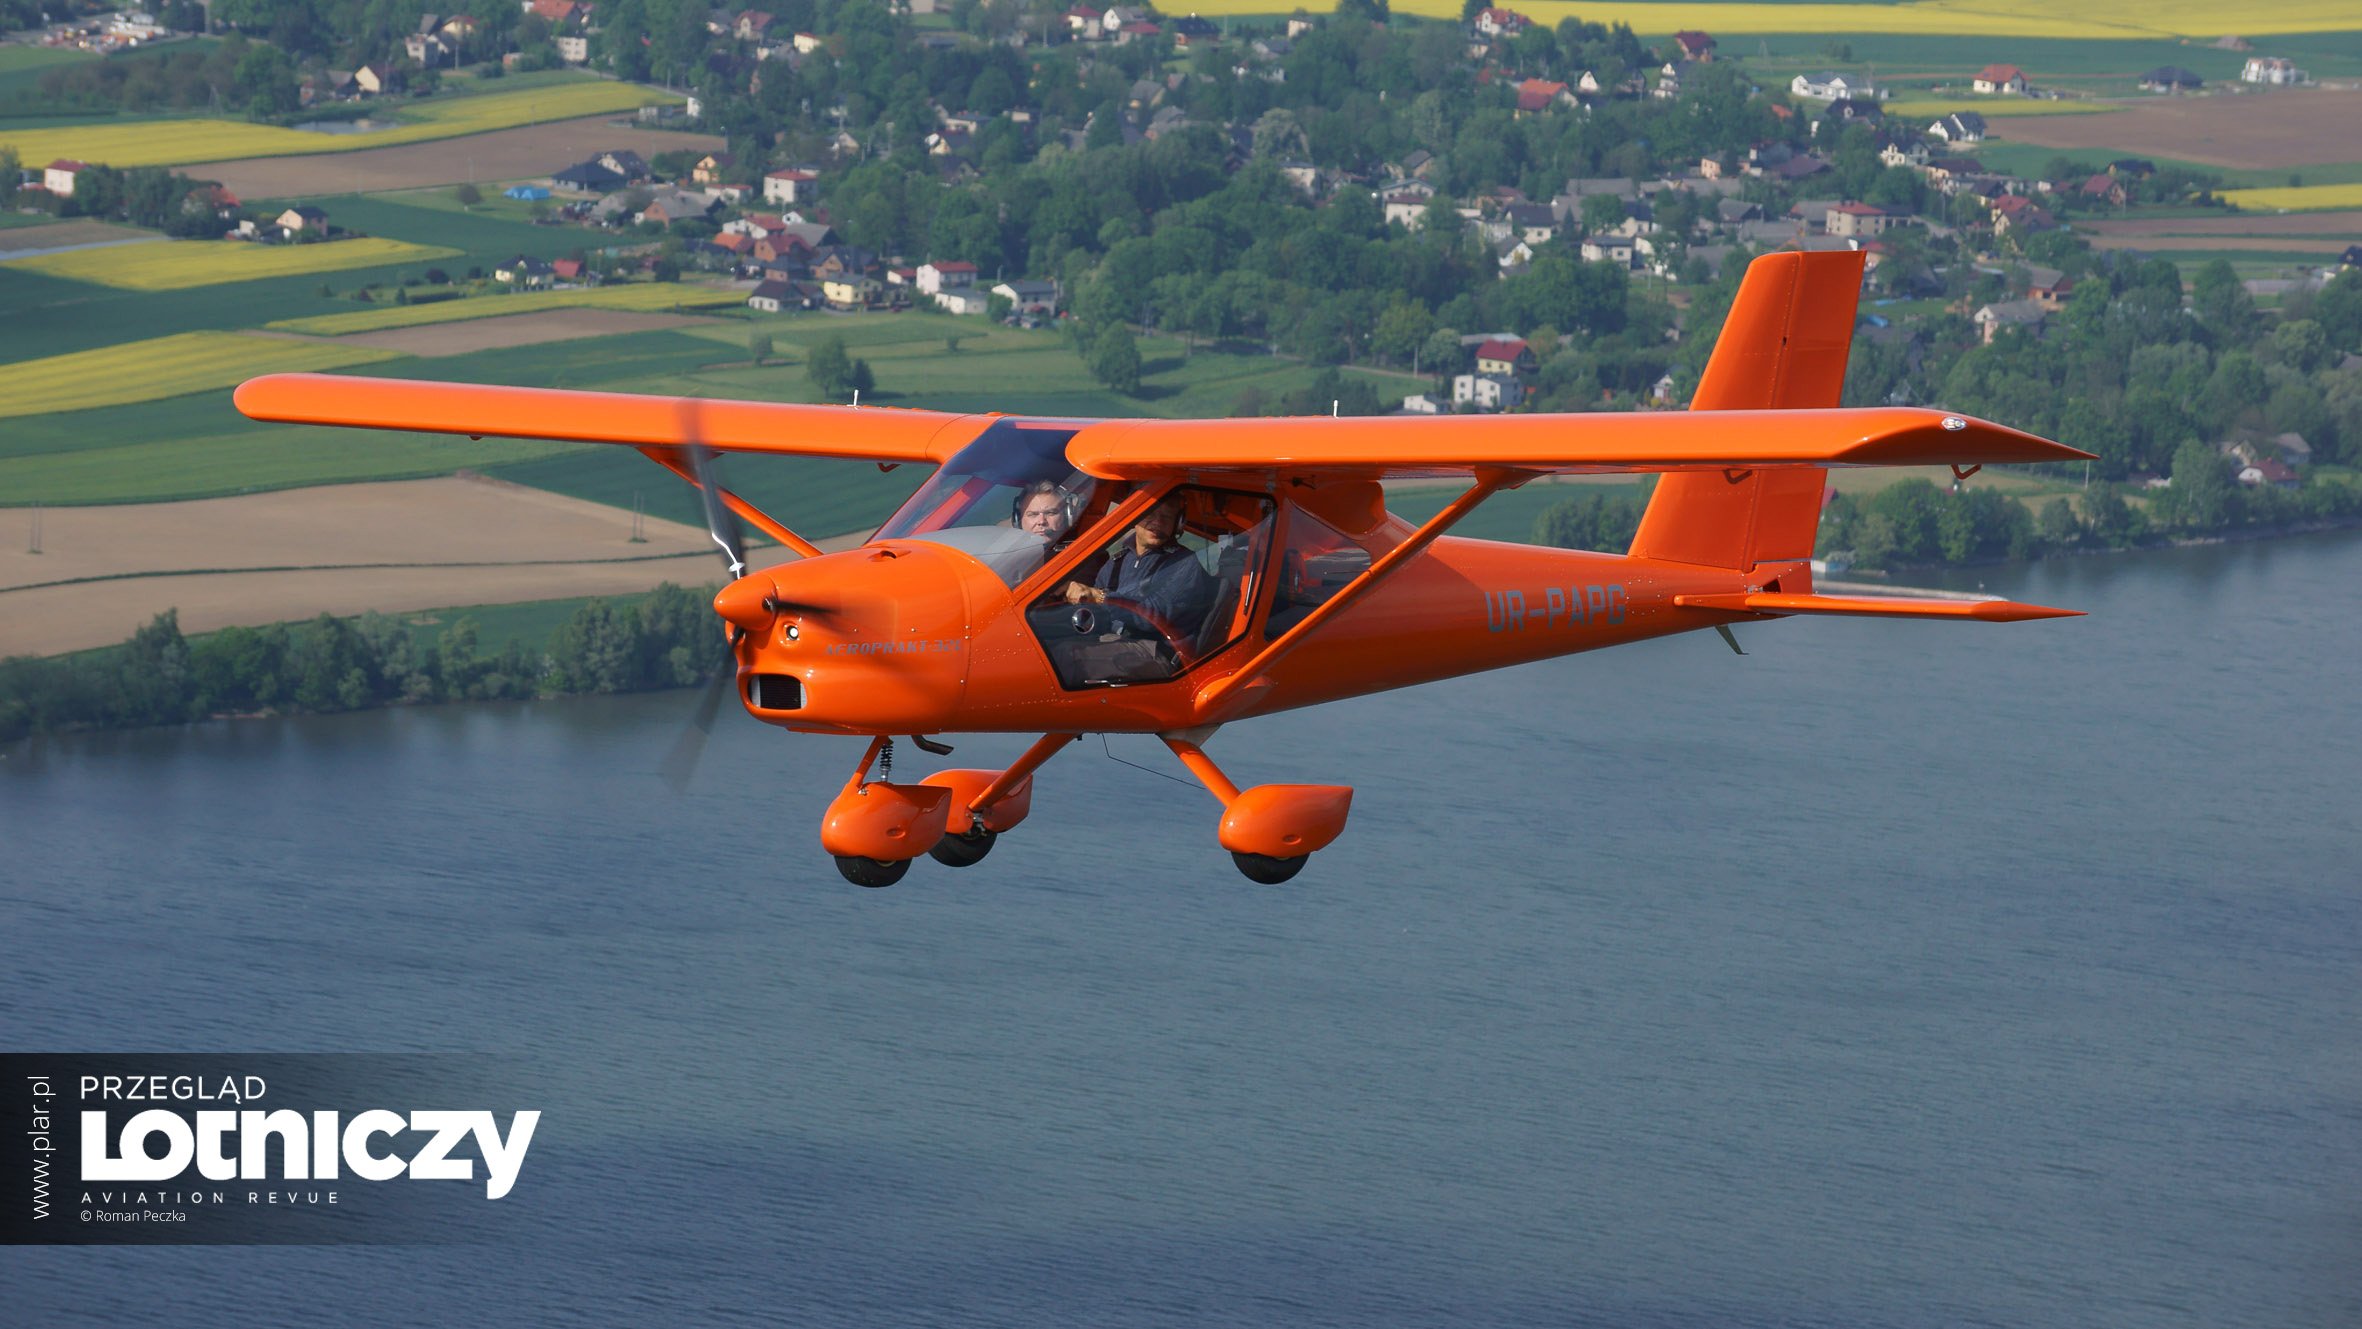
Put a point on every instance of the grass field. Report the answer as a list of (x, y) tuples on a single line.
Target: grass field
[(179, 264), (2305, 198), (183, 142), (163, 367), (1990, 18), (641, 296)]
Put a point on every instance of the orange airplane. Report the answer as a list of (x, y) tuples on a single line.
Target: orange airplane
[(1169, 577)]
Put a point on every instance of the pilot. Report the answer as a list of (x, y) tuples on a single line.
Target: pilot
[(1155, 572)]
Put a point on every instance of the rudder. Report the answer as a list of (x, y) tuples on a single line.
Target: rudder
[(1783, 347)]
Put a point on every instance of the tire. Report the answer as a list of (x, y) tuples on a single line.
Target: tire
[(1268, 870), (872, 871), (963, 851)]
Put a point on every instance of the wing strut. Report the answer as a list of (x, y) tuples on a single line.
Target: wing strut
[(1490, 480), (671, 460)]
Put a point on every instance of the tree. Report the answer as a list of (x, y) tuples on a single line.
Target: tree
[(468, 195), (1402, 330), (758, 347), (2203, 495), (829, 369), (266, 81), (1115, 359), (1602, 212)]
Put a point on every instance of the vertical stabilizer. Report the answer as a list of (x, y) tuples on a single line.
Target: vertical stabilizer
[(1783, 347)]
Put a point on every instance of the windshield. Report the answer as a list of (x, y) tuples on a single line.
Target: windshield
[(1009, 499)]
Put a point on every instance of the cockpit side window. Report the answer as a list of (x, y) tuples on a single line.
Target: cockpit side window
[(1173, 587)]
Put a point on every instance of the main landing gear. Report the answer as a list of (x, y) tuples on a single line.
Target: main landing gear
[(876, 828)]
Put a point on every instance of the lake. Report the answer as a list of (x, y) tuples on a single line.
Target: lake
[(1894, 974)]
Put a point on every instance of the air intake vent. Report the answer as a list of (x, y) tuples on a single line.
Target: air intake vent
[(775, 692)]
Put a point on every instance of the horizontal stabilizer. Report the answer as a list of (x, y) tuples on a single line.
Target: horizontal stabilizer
[(1873, 606)]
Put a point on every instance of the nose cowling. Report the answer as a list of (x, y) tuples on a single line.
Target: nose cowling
[(749, 603), (876, 638)]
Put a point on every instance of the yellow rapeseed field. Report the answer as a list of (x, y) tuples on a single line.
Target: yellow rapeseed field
[(163, 367), (1971, 18), (641, 296), (2300, 198), (171, 265), (1989, 107), (182, 142)]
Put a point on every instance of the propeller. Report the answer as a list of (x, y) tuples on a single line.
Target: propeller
[(680, 765), (720, 522)]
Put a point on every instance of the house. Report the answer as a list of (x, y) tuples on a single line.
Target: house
[(573, 48), (937, 278), (2049, 288), (1999, 80), (2272, 69), (426, 48), (2293, 449), (570, 269), (2351, 259), (524, 272), (1828, 87), (751, 26), (1853, 219), (1487, 392), (1504, 356), (587, 178), (2015, 213), (302, 219), (2171, 78), (711, 167), (850, 290), (963, 300), (2269, 471), (1194, 31), (790, 186), (1499, 23), (1419, 403), (1896, 152), (58, 178), (526, 193), (1028, 299), (379, 80), (1847, 110), (1694, 45), (1992, 318), (1534, 223), (2102, 188), (1959, 127), (672, 205), (558, 13), (1536, 95), (768, 297)]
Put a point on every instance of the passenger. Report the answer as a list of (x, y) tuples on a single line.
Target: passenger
[(1157, 574), (1046, 509)]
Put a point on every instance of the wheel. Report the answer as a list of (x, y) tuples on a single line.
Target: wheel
[(872, 871), (1268, 870), (960, 851)]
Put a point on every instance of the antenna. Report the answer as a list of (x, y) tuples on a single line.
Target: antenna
[(1333, 412), (857, 398)]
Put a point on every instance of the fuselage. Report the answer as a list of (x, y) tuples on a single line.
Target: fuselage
[(907, 636)]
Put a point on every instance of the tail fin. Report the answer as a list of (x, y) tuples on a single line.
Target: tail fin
[(1782, 348)]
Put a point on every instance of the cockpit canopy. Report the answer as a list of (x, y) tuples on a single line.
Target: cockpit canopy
[(978, 502)]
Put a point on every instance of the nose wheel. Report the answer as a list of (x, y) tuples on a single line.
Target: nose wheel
[(872, 871), (1268, 870)]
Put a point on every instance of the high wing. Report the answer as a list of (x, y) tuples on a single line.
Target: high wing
[(864, 433), (1566, 444)]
